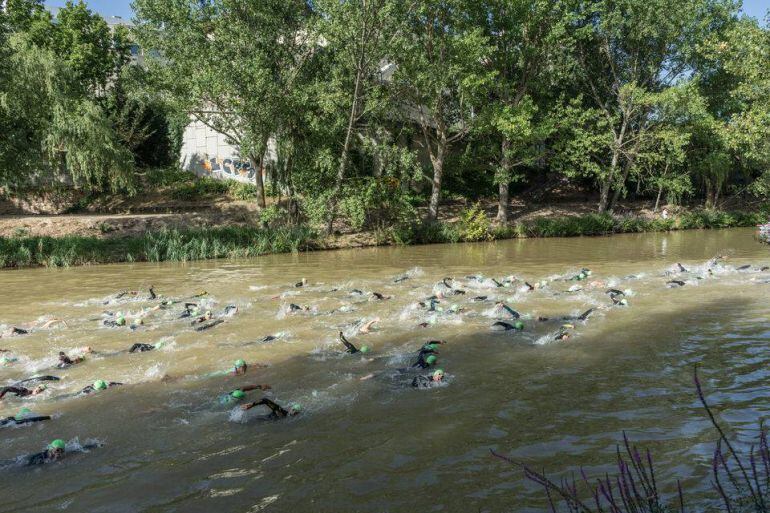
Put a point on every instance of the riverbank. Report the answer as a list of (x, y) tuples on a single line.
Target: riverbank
[(243, 241)]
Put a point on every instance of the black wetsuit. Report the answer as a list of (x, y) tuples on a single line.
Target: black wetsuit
[(504, 325), (141, 348), (40, 458), (209, 325), (421, 363), (152, 294), (276, 411), (378, 296), (423, 382), (15, 390), (350, 347), (510, 310), (678, 283), (90, 388), (37, 379), (27, 420), (268, 338), (480, 298)]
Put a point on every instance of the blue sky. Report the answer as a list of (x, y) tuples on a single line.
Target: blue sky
[(757, 8)]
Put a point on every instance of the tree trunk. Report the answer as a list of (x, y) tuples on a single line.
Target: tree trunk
[(657, 200), (438, 171), (616, 194), (604, 194), (332, 206), (504, 196), (256, 163)]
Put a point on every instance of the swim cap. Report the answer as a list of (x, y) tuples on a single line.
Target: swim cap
[(237, 394), (438, 373), (430, 347), (364, 349), (624, 302), (568, 326), (42, 387), (430, 360), (240, 363), (296, 407), (100, 384), (121, 321), (22, 413), (518, 325), (57, 444)]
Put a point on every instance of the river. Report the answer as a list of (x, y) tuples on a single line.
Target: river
[(378, 445)]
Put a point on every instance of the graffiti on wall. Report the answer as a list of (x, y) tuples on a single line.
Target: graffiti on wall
[(229, 168)]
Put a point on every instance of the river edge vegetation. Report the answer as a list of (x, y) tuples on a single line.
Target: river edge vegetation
[(182, 245)]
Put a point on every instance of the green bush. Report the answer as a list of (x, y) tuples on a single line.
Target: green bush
[(242, 191), (474, 225)]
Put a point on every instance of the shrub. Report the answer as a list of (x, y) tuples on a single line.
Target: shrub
[(474, 225)]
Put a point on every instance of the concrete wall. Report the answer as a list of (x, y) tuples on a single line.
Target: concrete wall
[(206, 152)]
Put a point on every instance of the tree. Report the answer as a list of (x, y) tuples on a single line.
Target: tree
[(626, 51), (359, 35), (440, 79), (230, 64), (527, 39)]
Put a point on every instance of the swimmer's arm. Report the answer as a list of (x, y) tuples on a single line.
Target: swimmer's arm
[(347, 344), (249, 388)]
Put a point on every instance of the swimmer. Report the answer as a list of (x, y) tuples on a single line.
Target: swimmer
[(619, 302), (681, 268), (230, 310), (518, 325), (350, 348), (98, 386), (20, 391), (367, 326), (582, 317), (480, 298), (744, 267), (401, 279), (296, 308), (675, 283), (37, 379), (25, 416), (301, 283), (54, 452), (434, 379), (502, 306), (615, 292), (203, 318), (119, 322), (190, 310), (563, 335), (425, 360), (209, 325), (450, 287), (65, 361), (143, 348), (14, 331), (152, 293), (276, 411), (376, 296), (240, 367), (240, 393)]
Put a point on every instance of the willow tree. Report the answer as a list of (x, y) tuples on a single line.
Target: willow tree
[(229, 64), (440, 79)]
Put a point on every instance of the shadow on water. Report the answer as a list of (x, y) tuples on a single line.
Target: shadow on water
[(376, 446)]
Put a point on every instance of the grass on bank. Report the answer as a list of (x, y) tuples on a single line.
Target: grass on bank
[(164, 245), (241, 242)]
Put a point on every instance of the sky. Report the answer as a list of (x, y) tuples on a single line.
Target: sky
[(756, 8)]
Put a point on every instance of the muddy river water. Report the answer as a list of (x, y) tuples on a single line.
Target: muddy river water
[(168, 444)]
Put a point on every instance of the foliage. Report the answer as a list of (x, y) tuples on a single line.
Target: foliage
[(165, 245), (474, 224)]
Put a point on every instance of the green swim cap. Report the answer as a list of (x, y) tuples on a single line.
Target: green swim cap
[(237, 394), (240, 363), (296, 407), (100, 384), (430, 347), (121, 321), (22, 413), (518, 325), (587, 272), (57, 444), (438, 373), (364, 349), (430, 360)]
